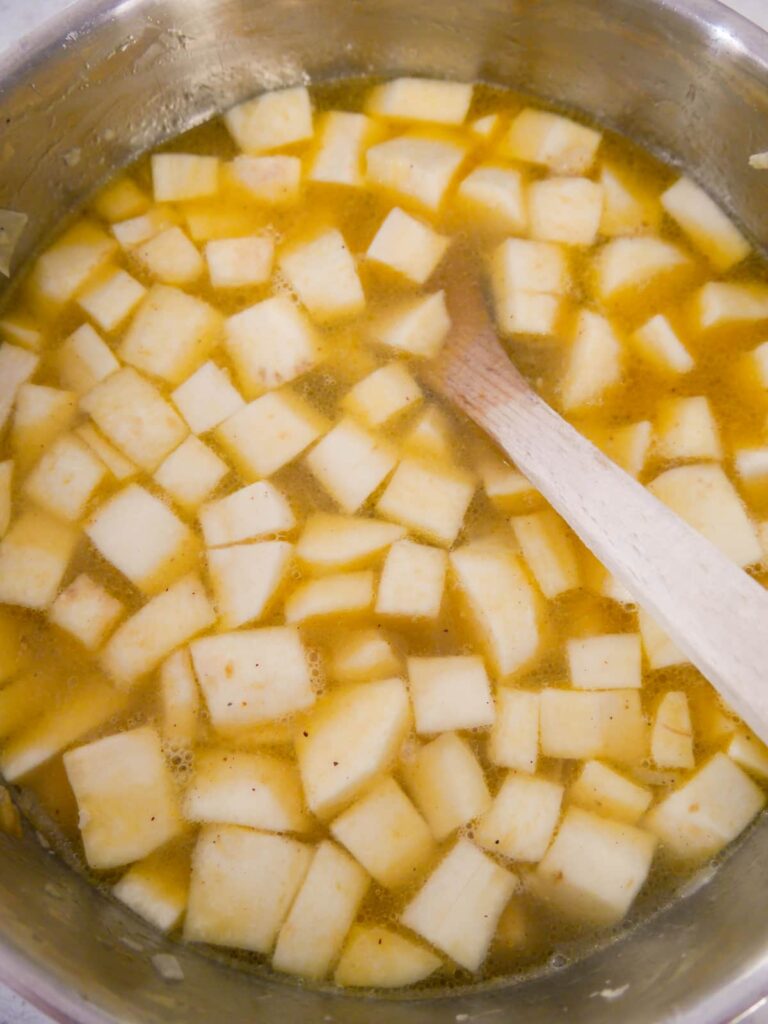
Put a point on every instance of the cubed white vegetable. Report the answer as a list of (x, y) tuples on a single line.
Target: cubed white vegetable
[(431, 435), (239, 262), (250, 512), (6, 495), (686, 429), (341, 140), (22, 329), (115, 462), (751, 464), (579, 724), (84, 359), (275, 180), (429, 498), (563, 145), (246, 579), (459, 906), (417, 327), (415, 168), (179, 701), (705, 497), (412, 581), (207, 398), (707, 226), (450, 693), (323, 274), (501, 602), (659, 345), (421, 99), (69, 263), (659, 649), (349, 593), (707, 812), (349, 740), (177, 177), (606, 792), (729, 303), (522, 819), (344, 542), (595, 362), (595, 867), (627, 264), (16, 366), (627, 208), (408, 246), (132, 232), (119, 199), (242, 887), (514, 738), (87, 611), (486, 126), (272, 120), (167, 621), (65, 478), (520, 265), (672, 732), (565, 210), (156, 888), (253, 676), (233, 787), (505, 486), (447, 784), (609, 662), (40, 415), (628, 446), (750, 754), (386, 834), (125, 797), (361, 656), (111, 298), (191, 473), (351, 463), (34, 555), (270, 432), (549, 551), (378, 398), (171, 257), (497, 195), (376, 957)]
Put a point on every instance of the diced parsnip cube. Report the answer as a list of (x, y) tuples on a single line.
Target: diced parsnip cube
[(659, 649), (530, 313), (705, 497), (658, 344), (724, 303), (207, 398), (579, 724), (250, 512), (450, 693), (628, 446), (376, 957), (232, 787), (135, 417), (418, 326), (6, 494), (323, 274), (626, 264), (496, 195), (87, 611), (750, 754), (253, 676), (608, 793), (594, 362), (707, 226), (344, 542), (486, 126), (349, 593), (270, 344), (514, 738), (565, 210), (459, 906), (138, 534), (382, 395), (415, 168), (179, 701), (269, 432), (520, 265), (34, 555), (549, 551), (116, 463), (271, 120), (87, 708), (504, 485), (431, 435), (84, 359), (191, 473), (120, 199), (22, 329), (171, 257), (40, 415), (171, 334), (361, 656), (164, 623), (111, 298), (522, 819), (67, 265), (156, 888), (65, 478), (177, 177), (349, 740), (429, 498), (686, 429), (408, 246), (239, 262), (447, 784), (603, 583), (751, 464), (322, 913), (421, 99), (609, 662), (132, 232), (125, 797), (243, 884), (595, 867), (16, 367), (412, 581), (339, 157), (501, 602), (351, 464), (563, 145), (672, 732), (626, 209), (707, 812), (386, 834), (268, 179), (246, 579)]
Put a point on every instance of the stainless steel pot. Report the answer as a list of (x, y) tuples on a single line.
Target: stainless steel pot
[(113, 77)]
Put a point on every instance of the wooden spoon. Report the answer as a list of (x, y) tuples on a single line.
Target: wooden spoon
[(713, 610)]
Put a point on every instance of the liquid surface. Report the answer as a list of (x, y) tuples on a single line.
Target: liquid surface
[(290, 658)]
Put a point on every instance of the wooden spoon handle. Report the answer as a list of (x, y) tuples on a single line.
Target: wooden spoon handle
[(713, 610)]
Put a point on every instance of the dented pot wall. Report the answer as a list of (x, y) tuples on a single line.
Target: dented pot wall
[(113, 78)]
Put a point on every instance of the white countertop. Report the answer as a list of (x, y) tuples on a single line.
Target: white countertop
[(18, 17)]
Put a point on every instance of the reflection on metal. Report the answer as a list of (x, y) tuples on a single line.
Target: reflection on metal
[(11, 226)]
